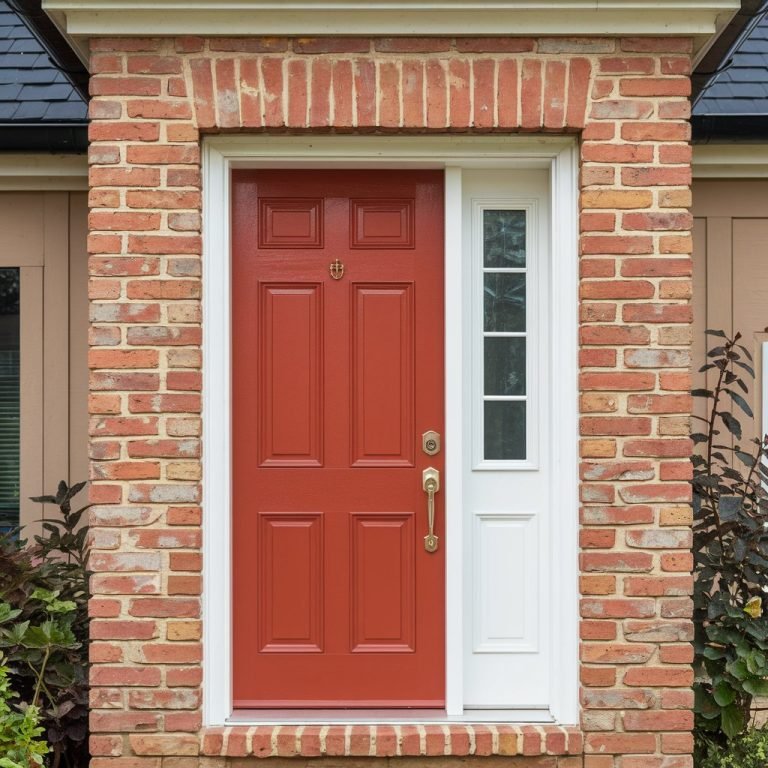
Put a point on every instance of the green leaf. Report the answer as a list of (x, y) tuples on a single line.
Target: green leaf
[(715, 332), (738, 669), (7, 613), (756, 686), (732, 719), (723, 694), (38, 636), (704, 704), (15, 633)]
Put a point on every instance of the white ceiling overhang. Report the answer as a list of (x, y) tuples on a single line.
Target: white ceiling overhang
[(83, 19)]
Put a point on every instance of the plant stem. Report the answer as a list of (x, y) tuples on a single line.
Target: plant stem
[(710, 448), (40, 674)]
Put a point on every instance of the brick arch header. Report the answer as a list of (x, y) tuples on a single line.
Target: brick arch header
[(387, 84)]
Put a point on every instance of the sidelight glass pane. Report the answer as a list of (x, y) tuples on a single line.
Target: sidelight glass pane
[(505, 430), (504, 301), (9, 399), (503, 238), (504, 366)]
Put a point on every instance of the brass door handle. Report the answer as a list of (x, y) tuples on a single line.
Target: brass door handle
[(431, 484)]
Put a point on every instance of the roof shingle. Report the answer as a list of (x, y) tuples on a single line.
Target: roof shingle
[(32, 89), (742, 87)]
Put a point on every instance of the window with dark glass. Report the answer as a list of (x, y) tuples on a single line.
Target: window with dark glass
[(9, 399), (504, 334)]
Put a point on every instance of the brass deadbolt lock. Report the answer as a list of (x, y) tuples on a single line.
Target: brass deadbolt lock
[(430, 443)]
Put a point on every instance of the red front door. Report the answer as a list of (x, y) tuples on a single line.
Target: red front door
[(337, 327)]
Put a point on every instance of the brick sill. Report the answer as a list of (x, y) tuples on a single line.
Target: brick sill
[(450, 739)]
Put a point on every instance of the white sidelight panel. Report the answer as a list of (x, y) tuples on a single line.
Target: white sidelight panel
[(506, 547), (508, 466)]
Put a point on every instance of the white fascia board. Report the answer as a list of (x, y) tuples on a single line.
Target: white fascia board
[(730, 161), (27, 172), (82, 19)]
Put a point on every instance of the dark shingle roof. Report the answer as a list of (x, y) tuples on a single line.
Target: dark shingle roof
[(741, 88), (32, 89)]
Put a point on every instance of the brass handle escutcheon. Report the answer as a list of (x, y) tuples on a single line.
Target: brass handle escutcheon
[(431, 484)]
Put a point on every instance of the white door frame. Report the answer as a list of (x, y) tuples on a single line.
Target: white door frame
[(559, 155)]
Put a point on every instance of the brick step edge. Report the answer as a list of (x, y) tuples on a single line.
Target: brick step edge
[(390, 740)]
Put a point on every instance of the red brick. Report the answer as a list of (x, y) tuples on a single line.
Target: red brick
[(617, 289), (579, 74), (483, 72), (667, 677), (389, 94), (342, 92), (272, 75), (495, 44), (153, 65), (320, 97), (597, 267), (615, 335), (203, 93), (332, 45), (531, 95), (554, 94), (624, 562), (365, 87), (459, 87), (114, 131), (507, 92), (620, 743), (657, 268), (250, 93), (655, 86), (412, 44), (651, 177), (124, 86)]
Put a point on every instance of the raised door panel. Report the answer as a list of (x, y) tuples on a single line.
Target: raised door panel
[(506, 564), (382, 224), (290, 588), (291, 381), (382, 375), (290, 223), (383, 582)]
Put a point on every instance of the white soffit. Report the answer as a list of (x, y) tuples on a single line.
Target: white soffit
[(82, 19), (27, 172), (730, 161)]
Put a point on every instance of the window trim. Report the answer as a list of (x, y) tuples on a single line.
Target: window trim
[(559, 155)]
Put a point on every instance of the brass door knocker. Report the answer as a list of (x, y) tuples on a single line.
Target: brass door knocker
[(337, 270)]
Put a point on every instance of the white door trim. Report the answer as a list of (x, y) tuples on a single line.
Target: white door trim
[(220, 155)]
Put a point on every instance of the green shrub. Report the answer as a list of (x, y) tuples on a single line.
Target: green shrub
[(44, 628), (21, 745), (748, 750)]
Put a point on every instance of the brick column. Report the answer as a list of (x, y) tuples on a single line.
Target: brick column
[(627, 98)]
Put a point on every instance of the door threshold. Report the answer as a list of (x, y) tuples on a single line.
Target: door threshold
[(386, 716)]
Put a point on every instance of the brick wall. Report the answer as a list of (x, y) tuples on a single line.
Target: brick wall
[(628, 100)]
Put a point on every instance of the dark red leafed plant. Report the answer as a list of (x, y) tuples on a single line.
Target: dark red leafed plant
[(730, 550)]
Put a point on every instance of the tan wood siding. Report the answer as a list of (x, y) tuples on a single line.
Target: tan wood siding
[(730, 286), (44, 233)]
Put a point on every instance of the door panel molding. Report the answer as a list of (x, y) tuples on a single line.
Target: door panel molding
[(559, 156)]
